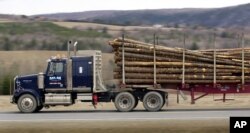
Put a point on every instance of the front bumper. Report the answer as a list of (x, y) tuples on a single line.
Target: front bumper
[(12, 99)]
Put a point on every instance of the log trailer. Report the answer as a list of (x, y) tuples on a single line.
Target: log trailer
[(79, 78)]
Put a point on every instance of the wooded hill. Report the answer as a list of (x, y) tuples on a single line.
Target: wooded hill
[(211, 17)]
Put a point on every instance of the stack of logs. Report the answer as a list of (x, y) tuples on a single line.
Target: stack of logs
[(198, 64)]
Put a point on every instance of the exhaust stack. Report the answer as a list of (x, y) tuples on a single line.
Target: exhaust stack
[(69, 43), (75, 48)]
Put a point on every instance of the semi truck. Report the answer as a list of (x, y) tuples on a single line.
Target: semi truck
[(78, 78)]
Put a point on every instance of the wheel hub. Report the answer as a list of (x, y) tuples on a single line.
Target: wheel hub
[(124, 102), (153, 102), (27, 103)]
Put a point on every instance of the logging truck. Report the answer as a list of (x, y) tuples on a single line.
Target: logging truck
[(78, 77)]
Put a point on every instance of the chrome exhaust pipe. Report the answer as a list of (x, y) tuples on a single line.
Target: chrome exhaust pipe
[(75, 48), (69, 43)]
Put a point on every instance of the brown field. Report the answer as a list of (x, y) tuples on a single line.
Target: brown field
[(3, 20), (86, 25), (112, 29), (25, 62), (32, 62)]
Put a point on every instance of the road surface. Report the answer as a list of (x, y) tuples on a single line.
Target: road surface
[(116, 116)]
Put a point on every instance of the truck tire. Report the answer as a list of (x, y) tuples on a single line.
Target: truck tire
[(153, 101), (124, 102), (27, 103)]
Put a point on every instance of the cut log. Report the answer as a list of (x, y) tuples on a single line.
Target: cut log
[(176, 64), (177, 70), (163, 81), (178, 76)]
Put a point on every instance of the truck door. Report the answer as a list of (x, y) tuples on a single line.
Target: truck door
[(55, 77), (82, 74)]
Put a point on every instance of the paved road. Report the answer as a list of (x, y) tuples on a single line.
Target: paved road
[(113, 115)]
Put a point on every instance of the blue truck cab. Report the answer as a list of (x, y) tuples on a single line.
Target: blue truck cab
[(64, 82)]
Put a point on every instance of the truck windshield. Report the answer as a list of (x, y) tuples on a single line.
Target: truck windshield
[(56, 67)]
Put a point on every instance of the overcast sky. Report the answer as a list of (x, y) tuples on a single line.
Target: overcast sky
[(31, 7)]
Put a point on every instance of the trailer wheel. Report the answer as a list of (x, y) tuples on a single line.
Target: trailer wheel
[(27, 103), (124, 102), (153, 101)]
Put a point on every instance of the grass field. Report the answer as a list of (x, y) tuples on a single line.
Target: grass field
[(25, 62), (112, 29), (45, 27), (32, 62)]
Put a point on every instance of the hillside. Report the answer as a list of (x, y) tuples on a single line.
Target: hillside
[(47, 36), (37, 35), (219, 17)]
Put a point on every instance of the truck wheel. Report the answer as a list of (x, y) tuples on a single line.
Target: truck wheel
[(124, 102), (153, 101), (27, 103)]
